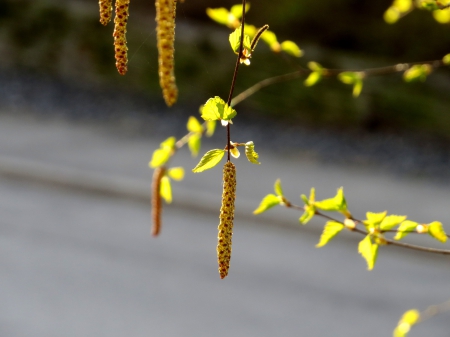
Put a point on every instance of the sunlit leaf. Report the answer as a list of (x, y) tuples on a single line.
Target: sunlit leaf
[(235, 40), (374, 219), (313, 78), (291, 48), (314, 66), (337, 203), (176, 173), (408, 319), (436, 230), (250, 30), (219, 15), (235, 152), (159, 157), (236, 10), (442, 15), (210, 128), (250, 153), (405, 228), (166, 189), (391, 15), (391, 221), (446, 59), (305, 199), (417, 72), (194, 143), (307, 215), (357, 88), (277, 188), (369, 251), (270, 38), (193, 125), (209, 160), (403, 5), (216, 108), (169, 143), (312, 195), (331, 229), (269, 201)]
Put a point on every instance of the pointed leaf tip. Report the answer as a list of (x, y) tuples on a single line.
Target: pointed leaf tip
[(209, 160), (268, 202)]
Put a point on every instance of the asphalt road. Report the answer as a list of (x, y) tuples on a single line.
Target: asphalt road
[(78, 263)]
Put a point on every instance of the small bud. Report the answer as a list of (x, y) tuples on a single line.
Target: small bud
[(421, 229), (349, 223), (226, 219), (156, 200)]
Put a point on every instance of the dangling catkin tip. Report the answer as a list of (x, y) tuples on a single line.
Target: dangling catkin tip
[(156, 200), (120, 39)]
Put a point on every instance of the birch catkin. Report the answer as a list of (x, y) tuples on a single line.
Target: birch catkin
[(105, 11), (156, 200), (226, 218), (165, 33), (120, 39)]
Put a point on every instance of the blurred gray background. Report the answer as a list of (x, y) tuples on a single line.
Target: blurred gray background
[(76, 255)]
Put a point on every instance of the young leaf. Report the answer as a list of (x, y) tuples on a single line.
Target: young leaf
[(193, 125), (337, 203), (391, 221), (391, 15), (312, 195), (442, 15), (209, 160), (236, 10), (436, 230), (309, 213), (331, 229), (374, 219), (220, 15), (405, 228), (216, 108), (159, 157), (357, 88), (408, 319), (166, 189), (446, 59), (277, 188), (291, 48), (312, 79), (417, 72), (269, 201), (235, 40), (250, 153), (368, 251), (194, 143), (314, 66), (210, 128), (176, 173), (235, 152), (305, 199), (270, 38), (169, 143)]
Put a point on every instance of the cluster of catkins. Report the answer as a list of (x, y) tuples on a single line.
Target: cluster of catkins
[(165, 32)]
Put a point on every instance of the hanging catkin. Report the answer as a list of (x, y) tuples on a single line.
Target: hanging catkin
[(156, 200), (120, 39), (165, 33), (226, 218), (105, 11)]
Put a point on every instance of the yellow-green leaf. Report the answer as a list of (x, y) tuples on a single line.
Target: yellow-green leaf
[(391, 221), (374, 219), (159, 157), (270, 38), (215, 109), (193, 125), (417, 72), (309, 213), (277, 188), (405, 228), (368, 251), (436, 230), (220, 15), (446, 59), (305, 199), (313, 78), (331, 229), (291, 48), (176, 173), (357, 88), (269, 201), (236, 10), (314, 66), (166, 189), (169, 143), (408, 319), (209, 160), (442, 15), (337, 203), (250, 153), (235, 40), (210, 128), (391, 15), (194, 143)]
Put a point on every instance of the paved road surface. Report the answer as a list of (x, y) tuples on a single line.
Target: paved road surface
[(75, 263)]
